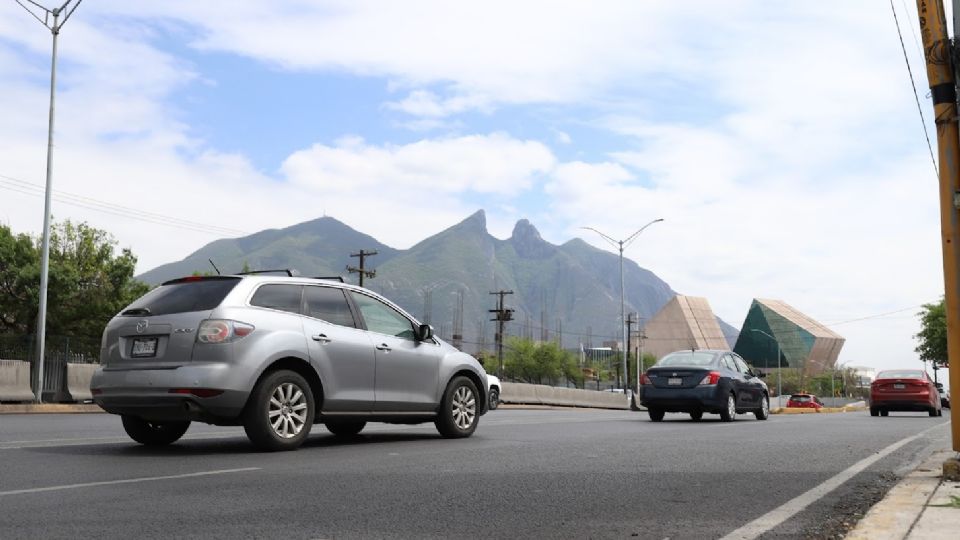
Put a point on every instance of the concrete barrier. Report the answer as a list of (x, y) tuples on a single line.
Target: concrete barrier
[(15, 381), (541, 394), (78, 381)]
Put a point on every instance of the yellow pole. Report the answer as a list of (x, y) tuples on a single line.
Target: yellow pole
[(937, 51)]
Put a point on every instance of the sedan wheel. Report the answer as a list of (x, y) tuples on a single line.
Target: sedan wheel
[(458, 409), (280, 412), (494, 398), (656, 415), (728, 414), (764, 411), (696, 416), (884, 413), (874, 411)]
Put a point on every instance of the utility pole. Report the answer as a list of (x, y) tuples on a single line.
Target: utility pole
[(502, 315), (626, 346), (458, 322), (54, 27), (363, 256), (938, 53)]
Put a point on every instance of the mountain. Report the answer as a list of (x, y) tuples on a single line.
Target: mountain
[(573, 288), (321, 247)]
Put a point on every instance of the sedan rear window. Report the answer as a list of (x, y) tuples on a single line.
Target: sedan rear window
[(901, 374), (687, 358), (183, 296)]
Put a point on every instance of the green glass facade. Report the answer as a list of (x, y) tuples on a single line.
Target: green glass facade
[(804, 343)]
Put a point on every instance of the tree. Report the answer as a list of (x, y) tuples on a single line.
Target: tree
[(933, 334), (88, 283)]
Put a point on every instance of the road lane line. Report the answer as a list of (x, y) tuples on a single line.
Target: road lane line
[(796, 505), (127, 481)]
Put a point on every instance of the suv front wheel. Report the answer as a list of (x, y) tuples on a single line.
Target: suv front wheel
[(458, 409), (153, 433), (280, 412)]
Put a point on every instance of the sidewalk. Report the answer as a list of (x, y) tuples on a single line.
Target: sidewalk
[(922, 506), (49, 408)]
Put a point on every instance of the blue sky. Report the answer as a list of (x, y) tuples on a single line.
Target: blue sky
[(780, 142)]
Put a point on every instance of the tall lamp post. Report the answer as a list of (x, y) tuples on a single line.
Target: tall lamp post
[(621, 244), (54, 26), (779, 388)]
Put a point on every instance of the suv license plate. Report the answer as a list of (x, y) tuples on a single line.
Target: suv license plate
[(674, 381), (143, 347)]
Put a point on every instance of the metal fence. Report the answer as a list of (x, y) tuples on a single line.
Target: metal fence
[(58, 352)]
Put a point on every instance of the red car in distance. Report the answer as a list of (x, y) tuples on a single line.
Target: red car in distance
[(804, 401), (904, 390)]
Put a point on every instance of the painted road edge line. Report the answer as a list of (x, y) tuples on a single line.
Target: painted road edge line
[(126, 481), (796, 505)]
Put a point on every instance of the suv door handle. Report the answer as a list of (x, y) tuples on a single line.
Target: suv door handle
[(383, 347), (322, 338)]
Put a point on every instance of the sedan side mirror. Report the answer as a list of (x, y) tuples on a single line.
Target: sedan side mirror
[(424, 332)]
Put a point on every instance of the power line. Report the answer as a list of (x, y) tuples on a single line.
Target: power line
[(916, 97), (22, 186)]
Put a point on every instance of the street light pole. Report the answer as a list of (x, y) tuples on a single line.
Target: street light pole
[(621, 244), (779, 388), (45, 249)]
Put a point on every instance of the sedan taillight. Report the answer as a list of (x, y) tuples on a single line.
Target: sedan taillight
[(644, 379), (222, 331), (710, 378)]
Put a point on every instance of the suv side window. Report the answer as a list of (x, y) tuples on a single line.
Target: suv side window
[(278, 296), (328, 304), (382, 318)]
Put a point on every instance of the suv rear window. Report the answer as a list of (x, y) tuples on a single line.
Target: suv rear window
[(800, 398), (183, 296)]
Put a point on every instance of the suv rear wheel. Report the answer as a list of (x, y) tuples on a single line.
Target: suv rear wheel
[(458, 409), (280, 412), (153, 433)]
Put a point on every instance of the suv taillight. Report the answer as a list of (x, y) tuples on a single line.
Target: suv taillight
[(222, 331), (710, 378)]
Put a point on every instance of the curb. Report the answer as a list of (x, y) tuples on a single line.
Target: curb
[(895, 516), (50, 408)]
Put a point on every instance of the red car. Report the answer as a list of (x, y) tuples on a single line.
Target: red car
[(904, 390), (804, 401)]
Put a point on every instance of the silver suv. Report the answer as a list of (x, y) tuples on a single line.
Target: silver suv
[(276, 355)]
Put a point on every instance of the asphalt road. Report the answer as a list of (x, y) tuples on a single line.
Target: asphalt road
[(524, 474)]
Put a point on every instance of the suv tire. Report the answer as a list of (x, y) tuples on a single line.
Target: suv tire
[(459, 409), (280, 412), (153, 433), (345, 428)]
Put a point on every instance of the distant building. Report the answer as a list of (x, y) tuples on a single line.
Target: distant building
[(804, 343), (685, 322), (865, 376)]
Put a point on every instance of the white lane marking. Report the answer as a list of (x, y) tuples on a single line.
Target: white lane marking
[(796, 505), (127, 481), (54, 443)]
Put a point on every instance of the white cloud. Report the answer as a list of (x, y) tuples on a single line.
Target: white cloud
[(493, 163)]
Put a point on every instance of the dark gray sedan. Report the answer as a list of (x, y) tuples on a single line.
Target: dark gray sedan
[(703, 381)]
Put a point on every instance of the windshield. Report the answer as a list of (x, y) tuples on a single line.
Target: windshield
[(686, 358)]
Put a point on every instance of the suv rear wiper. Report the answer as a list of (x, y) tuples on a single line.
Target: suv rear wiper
[(137, 311)]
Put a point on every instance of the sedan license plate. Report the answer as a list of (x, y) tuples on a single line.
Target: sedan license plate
[(899, 386), (674, 381), (144, 347)]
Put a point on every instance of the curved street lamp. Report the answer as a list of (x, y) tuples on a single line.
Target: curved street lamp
[(779, 392), (621, 244)]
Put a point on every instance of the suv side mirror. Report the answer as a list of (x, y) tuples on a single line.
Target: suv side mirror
[(424, 332)]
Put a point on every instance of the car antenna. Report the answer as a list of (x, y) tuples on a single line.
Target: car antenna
[(214, 266)]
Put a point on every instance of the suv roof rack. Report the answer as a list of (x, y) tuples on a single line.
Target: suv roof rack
[(287, 271), (331, 278)]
